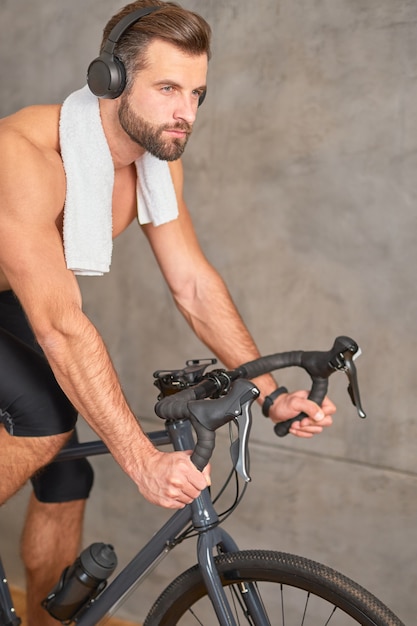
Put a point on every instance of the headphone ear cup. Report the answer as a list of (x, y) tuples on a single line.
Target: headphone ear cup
[(202, 98), (106, 76)]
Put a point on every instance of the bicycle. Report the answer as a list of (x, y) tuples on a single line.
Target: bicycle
[(231, 587)]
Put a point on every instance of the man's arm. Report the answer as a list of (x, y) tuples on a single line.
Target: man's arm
[(32, 259), (203, 298)]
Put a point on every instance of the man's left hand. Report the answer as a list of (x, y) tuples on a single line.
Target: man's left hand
[(289, 405)]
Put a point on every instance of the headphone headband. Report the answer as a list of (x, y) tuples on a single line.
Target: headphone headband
[(125, 23), (106, 75)]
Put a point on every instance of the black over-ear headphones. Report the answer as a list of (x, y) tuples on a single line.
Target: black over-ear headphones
[(106, 75)]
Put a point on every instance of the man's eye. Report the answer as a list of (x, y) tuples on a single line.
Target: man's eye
[(167, 88)]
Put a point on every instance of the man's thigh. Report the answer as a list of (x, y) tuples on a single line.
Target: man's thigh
[(33, 406)]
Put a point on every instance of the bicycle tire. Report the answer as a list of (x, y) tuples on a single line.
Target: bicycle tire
[(322, 588)]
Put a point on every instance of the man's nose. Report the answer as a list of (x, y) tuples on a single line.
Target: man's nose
[(187, 108)]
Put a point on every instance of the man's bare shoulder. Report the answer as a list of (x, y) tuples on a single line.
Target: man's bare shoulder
[(32, 168), (39, 124)]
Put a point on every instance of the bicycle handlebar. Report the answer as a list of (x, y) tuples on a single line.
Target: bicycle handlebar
[(231, 394), (319, 366)]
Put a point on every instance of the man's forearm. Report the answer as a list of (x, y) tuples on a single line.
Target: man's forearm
[(84, 371), (216, 321)]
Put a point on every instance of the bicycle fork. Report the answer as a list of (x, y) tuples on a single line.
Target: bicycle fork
[(249, 595)]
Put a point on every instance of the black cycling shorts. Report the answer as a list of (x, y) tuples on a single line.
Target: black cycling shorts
[(32, 404)]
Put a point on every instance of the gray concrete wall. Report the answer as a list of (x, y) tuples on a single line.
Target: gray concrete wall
[(301, 181)]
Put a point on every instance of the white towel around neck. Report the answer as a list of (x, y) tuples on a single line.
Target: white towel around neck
[(89, 172)]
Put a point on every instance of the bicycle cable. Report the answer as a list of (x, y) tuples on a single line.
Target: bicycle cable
[(189, 533)]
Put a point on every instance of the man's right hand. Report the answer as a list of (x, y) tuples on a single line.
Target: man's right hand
[(170, 479)]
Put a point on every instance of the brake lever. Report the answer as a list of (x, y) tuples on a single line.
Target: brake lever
[(208, 416), (239, 449), (353, 387), (343, 361)]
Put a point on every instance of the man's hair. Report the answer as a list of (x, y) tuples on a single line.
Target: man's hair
[(184, 29)]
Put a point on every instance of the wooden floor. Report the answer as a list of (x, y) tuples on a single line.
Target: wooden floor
[(19, 602)]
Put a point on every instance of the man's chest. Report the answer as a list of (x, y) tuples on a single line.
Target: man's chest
[(124, 199)]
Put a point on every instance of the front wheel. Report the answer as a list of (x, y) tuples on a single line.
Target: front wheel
[(294, 591)]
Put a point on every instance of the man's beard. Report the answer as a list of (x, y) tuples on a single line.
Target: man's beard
[(149, 136)]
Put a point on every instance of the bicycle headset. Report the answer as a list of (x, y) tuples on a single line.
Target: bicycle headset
[(106, 75)]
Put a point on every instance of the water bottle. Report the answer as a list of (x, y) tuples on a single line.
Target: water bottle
[(81, 582)]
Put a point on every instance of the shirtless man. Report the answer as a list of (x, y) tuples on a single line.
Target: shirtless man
[(155, 113)]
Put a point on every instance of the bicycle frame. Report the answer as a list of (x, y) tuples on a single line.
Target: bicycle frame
[(210, 536)]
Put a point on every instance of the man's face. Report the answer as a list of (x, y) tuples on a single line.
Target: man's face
[(165, 141), (159, 110)]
